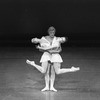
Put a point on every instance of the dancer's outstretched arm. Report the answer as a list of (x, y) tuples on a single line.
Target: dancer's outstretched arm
[(47, 48), (35, 40), (54, 50)]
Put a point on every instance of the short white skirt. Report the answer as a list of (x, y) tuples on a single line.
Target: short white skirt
[(51, 57)]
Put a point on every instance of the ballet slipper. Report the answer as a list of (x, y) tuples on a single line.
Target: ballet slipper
[(53, 89), (73, 69), (30, 62), (45, 89)]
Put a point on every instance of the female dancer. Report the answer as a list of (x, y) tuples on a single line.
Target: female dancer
[(51, 46)]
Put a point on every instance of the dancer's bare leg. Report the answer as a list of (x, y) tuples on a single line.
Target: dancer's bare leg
[(52, 79), (41, 68), (59, 70), (47, 78)]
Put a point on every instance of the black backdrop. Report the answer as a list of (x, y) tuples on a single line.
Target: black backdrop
[(20, 20)]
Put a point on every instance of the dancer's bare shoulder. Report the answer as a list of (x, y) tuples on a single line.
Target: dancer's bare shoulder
[(46, 37)]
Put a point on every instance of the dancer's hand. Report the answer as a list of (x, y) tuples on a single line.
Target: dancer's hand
[(35, 40), (63, 39), (39, 47)]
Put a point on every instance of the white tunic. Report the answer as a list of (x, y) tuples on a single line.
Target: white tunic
[(51, 57)]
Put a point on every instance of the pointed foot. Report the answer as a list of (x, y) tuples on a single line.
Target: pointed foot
[(30, 62), (74, 69)]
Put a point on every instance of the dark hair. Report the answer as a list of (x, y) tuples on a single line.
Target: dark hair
[(51, 28)]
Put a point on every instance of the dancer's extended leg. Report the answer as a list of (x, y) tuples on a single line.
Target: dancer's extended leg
[(47, 78), (59, 70), (52, 79), (41, 68)]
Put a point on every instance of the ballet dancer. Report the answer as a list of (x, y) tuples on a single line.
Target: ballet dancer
[(50, 45)]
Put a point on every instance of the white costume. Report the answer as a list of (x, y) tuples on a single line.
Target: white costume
[(48, 56)]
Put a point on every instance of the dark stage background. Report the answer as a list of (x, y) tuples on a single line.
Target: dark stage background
[(21, 20)]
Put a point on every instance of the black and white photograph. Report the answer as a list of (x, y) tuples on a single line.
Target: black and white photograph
[(49, 50)]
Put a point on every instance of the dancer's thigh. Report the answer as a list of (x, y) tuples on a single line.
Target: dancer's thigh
[(57, 66), (44, 66), (48, 68), (52, 69)]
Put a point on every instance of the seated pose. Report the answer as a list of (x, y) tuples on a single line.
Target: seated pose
[(51, 47)]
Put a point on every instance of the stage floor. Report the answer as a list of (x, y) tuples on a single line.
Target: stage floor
[(19, 81)]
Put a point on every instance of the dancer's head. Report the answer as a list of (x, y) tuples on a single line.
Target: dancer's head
[(51, 31)]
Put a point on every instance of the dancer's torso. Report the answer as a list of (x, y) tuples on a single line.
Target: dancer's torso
[(46, 41), (54, 56)]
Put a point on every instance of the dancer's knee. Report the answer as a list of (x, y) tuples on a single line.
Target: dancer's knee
[(52, 73), (44, 66), (57, 72), (46, 76), (52, 76), (57, 67), (43, 71)]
